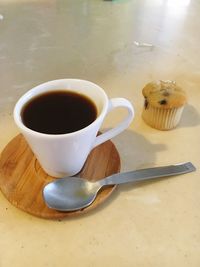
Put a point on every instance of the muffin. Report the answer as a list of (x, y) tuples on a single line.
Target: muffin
[(163, 104)]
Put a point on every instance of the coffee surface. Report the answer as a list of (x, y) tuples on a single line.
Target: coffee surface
[(58, 112)]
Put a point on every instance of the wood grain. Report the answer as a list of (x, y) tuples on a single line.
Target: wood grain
[(22, 179)]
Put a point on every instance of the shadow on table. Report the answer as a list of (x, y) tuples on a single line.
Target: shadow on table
[(190, 117), (136, 152)]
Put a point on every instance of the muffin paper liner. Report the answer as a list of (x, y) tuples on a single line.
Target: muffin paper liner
[(162, 119)]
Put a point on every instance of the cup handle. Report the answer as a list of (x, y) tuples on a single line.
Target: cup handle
[(115, 103)]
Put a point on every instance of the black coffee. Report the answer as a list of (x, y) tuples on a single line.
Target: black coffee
[(58, 112)]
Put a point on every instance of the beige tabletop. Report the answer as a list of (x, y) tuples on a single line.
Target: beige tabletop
[(149, 225)]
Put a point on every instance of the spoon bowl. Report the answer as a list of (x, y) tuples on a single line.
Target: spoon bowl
[(71, 193)]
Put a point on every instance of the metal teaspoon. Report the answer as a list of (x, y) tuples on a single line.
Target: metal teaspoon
[(74, 193)]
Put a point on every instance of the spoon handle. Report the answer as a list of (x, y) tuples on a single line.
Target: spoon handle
[(146, 174)]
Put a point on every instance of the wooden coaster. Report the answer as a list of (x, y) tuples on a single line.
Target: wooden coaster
[(22, 179)]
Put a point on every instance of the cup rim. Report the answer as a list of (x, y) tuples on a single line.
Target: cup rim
[(21, 102)]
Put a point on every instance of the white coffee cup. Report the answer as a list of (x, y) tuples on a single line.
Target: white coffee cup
[(65, 154)]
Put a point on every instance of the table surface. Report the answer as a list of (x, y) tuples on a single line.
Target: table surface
[(150, 224)]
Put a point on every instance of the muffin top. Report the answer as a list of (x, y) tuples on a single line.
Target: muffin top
[(164, 94)]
